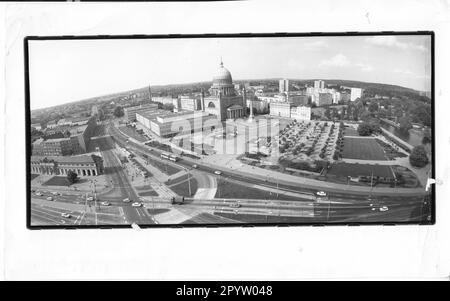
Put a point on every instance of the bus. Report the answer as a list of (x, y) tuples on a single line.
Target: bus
[(165, 156), (174, 158)]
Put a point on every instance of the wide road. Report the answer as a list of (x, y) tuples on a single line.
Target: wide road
[(121, 187)]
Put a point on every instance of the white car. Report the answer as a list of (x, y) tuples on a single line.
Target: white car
[(218, 172), (195, 166), (127, 200), (136, 204), (49, 198), (66, 215), (105, 203), (321, 193), (384, 208), (90, 199), (55, 193)]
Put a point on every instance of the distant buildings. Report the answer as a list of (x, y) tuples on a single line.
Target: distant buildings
[(323, 96), (289, 110), (76, 143), (85, 165), (319, 84), (283, 85), (355, 93), (36, 126)]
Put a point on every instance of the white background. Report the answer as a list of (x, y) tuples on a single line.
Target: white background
[(372, 252)]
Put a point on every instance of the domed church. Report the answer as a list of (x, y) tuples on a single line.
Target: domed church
[(223, 101)]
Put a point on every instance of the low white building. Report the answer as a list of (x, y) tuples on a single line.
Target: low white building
[(301, 113)]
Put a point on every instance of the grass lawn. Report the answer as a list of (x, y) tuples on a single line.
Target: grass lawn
[(56, 181), (183, 188), (230, 190), (165, 168), (363, 149), (148, 193), (355, 170), (350, 131), (132, 133), (33, 176)]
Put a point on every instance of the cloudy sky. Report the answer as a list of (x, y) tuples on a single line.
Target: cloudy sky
[(65, 71)]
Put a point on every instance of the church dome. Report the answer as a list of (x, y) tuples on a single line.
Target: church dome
[(222, 77)]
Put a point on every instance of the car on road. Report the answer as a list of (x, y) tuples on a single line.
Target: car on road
[(136, 204), (321, 193), (384, 208), (126, 200), (39, 193), (90, 199), (195, 166), (66, 215), (235, 205), (218, 172), (55, 193), (105, 203), (49, 198)]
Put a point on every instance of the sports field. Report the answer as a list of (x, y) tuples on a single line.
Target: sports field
[(362, 149)]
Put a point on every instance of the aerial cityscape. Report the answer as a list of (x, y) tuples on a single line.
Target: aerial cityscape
[(223, 149)]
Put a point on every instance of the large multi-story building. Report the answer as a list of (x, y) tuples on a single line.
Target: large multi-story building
[(355, 93), (319, 84), (130, 112), (76, 143), (283, 86), (166, 124), (190, 103), (84, 165), (289, 110), (224, 102), (324, 99), (301, 113)]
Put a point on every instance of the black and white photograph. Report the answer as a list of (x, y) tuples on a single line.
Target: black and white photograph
[(230, 130)]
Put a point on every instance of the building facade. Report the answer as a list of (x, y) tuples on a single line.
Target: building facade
[(84, 165), (224, 102), (283, 85), (130, 112), (355, 93), (301, 113)]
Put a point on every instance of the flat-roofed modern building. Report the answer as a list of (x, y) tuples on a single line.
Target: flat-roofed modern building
[(84, 165), (130, 112), (301, 113), (164, 123)]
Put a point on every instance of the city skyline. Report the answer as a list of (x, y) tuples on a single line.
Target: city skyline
[(74, 65)]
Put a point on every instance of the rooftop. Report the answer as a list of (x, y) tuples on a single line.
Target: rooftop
[(65, 159)]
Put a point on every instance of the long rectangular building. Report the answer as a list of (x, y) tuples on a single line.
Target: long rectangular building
[(130, 112), (84, 165)]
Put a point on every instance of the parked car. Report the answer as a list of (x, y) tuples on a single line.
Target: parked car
[(90, 199), (55, 193), (136, 204), (66, 215), (218, 172), (49, 198), (39, 193), (105, 203), (195, 166), (126, 200)]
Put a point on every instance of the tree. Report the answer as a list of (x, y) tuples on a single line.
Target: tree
[(72, 177), (168, 107), (426, 137), (373, 107), (118, 111), (368, 128), (404, 124), (418, 156)]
